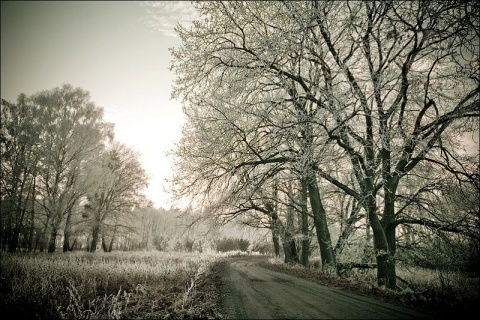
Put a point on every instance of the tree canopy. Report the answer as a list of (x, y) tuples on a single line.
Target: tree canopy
[(381, 91), (52, 144)]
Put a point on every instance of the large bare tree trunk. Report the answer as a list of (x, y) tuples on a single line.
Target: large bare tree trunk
[(95, 235), (386, 275), (53, 239), (386, 269), (320, 220), (54, 225)]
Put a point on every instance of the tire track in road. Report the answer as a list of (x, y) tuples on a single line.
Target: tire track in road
[(252, 292)]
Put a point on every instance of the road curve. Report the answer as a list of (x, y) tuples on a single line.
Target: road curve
[(252, 292)]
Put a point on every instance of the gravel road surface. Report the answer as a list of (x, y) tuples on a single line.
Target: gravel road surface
[(252, 292)]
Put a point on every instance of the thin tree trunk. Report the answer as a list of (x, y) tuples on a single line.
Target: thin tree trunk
[(8, 206), (88, 242), (18, 226), (408, 236), (12, 212), (32, 218), (289, 245), (14, 240), (5, 237), (350, 219), (12, 246), (367, 249), (304, 214), (67, 232), (275, 223), (73, 245), (275, 232), (110, 247), (276, 243), (19, 220), (104, 245), (41, 239)]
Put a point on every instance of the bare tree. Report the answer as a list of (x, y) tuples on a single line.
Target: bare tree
[(240, 101), (63, 130), (401, 64), (385, 85), (118, 190), (19, 149), (72, 131)]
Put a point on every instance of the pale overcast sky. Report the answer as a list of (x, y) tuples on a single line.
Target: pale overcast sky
[(116, 50)]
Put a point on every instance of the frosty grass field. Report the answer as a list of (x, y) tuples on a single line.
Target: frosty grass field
[(82, 285)]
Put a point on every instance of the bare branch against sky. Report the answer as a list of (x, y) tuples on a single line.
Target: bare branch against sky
[(118, 51)]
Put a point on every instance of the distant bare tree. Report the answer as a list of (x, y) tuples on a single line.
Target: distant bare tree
[(20, 133), (60, 131), (118, 190)]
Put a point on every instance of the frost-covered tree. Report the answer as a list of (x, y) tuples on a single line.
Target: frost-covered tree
[(49, 139), (72, 132), (399, 85), (117, 191), (20, 132), (373, 89), (243, 112)]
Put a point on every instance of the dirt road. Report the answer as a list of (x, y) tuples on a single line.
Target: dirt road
[(252, 292)]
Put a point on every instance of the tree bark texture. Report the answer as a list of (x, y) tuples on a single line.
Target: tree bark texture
[(95, 234), (53, 239), (320, 220)]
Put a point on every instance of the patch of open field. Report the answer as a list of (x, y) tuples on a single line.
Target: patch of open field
[(116, 285)]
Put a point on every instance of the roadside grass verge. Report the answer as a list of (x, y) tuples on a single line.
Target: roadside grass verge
[(116, 285), (445, 294)]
